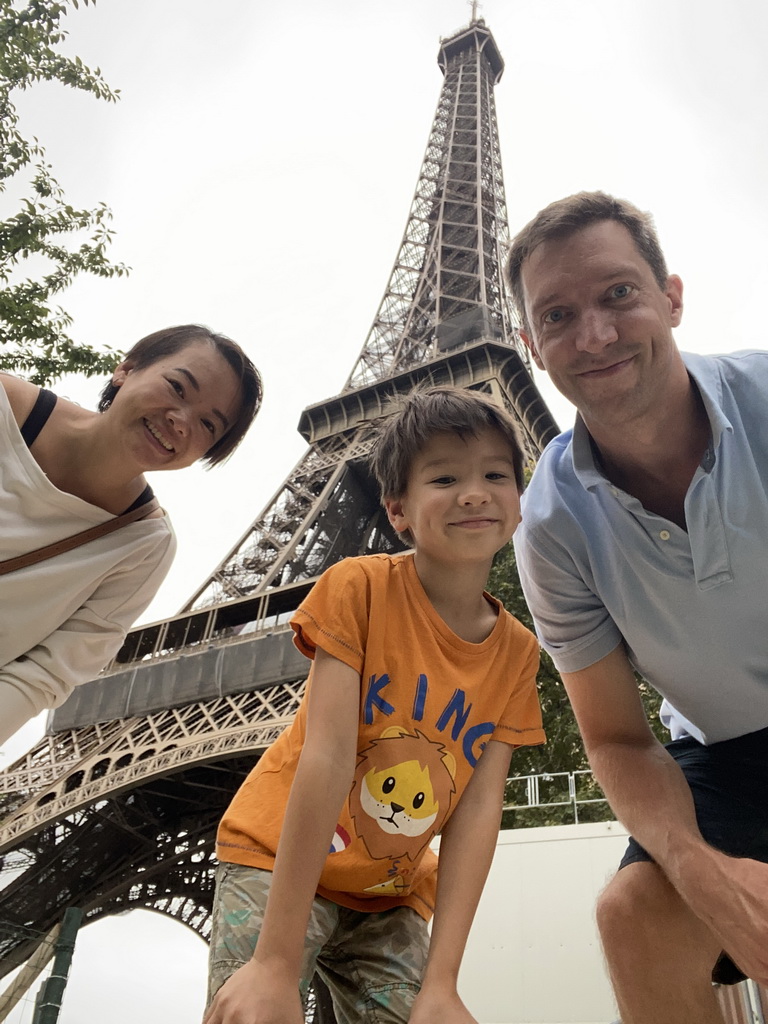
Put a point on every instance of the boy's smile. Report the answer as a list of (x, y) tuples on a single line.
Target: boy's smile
[(462, 503)]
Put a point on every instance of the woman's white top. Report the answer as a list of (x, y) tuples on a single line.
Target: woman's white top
[(64, 618)]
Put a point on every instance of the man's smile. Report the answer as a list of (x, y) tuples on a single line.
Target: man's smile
[(606, 371)]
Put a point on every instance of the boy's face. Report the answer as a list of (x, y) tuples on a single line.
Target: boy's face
[(461, 503)]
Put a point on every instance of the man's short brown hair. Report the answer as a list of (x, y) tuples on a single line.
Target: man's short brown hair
[(563, 218), (425, 412)]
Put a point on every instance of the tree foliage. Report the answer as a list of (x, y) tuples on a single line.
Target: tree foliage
[(64, 240), (564, 750)]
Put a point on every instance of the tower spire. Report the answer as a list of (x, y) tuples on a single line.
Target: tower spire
[(446, 285)]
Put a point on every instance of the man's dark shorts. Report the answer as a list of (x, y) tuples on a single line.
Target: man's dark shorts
[(729, 784)]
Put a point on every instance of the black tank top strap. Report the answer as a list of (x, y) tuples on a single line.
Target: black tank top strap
[(146, 495), (37, 419), (38, 416)]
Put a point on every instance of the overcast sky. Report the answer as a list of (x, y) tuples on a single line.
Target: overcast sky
[(260, 166)]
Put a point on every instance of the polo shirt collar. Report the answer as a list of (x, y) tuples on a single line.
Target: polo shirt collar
[(706, 375), (705, 372)]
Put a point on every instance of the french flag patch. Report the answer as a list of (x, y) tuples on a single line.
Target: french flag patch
[(340, 840)]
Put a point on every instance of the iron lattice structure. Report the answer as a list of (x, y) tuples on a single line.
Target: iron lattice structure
[(117, 806)]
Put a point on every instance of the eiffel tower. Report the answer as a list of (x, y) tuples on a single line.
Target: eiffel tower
[(117, 806)]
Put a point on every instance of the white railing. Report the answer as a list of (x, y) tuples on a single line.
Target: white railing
[(551, 789)]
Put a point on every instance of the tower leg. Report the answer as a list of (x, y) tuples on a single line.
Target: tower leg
[(51, 993)]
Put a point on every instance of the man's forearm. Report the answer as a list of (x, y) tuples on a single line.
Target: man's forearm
[(650, 796)]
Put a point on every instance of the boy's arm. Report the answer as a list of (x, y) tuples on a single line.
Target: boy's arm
[(467, 845), (266, 990)]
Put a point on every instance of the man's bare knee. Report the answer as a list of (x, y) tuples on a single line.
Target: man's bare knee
[(643, 919), (635, 902)]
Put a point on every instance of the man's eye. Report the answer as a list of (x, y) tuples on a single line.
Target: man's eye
[(621, 291), (554, 316)]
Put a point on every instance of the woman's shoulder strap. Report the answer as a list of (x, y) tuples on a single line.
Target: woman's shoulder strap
[(38, 416)]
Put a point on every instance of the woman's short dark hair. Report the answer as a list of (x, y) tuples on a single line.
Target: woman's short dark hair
[(172, 339)]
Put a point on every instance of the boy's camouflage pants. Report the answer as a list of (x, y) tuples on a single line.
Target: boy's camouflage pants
[(371, 963)]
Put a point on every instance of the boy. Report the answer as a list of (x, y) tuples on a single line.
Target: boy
[(421, 686)]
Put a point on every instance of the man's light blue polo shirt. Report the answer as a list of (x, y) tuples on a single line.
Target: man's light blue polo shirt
[(692, 608)]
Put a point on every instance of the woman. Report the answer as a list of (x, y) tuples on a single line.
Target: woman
[(179, 395)]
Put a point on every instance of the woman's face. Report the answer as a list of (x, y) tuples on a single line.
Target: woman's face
[(173, 411)]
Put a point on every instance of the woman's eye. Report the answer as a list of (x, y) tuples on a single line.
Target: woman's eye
[(176, 386), (209, 426)]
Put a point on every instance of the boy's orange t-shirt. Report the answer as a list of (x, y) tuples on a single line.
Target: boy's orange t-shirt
[(429, 701)]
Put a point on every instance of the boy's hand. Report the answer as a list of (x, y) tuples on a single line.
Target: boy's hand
[(437, 1006), (257, 994)]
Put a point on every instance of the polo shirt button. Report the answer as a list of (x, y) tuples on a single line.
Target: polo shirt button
[(664, 534)]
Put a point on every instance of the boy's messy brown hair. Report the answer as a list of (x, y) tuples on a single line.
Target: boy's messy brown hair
[(424, 412)]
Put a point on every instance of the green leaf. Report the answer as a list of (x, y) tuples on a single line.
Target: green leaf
[(34, 336)]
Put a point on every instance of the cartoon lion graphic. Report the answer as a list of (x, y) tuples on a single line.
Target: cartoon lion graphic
[(401, 793)]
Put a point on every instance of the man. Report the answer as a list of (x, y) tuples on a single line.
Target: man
[(644, 546)]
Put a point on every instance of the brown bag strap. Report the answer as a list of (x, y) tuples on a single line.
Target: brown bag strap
[(68, 543)]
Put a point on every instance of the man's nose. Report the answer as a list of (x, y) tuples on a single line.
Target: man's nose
[(596, 329)]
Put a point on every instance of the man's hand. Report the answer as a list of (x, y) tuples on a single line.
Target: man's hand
[(733, 902), (650, 796), (257, 994), (437, 1006)]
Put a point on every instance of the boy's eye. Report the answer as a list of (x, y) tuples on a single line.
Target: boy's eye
[(442, 480), (496, 475)]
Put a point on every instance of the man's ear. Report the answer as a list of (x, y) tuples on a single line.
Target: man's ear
[(396, 514), (531, 346), (674, 292)]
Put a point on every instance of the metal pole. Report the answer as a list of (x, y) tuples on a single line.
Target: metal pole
[(323, 1003), (51, 992), (755, 1002)]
